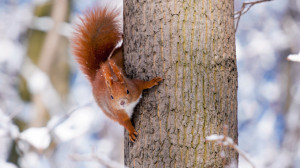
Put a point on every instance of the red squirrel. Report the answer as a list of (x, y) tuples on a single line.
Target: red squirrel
[(95, 46)]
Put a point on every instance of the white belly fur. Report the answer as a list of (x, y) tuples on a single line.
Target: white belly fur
[(129, 109)]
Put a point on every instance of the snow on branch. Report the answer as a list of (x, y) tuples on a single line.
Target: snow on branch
[(224, 140), (39, 138), (294, 57), (4, 164), (244, 9)]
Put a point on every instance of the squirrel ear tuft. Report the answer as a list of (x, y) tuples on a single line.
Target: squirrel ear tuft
[(107, 76)]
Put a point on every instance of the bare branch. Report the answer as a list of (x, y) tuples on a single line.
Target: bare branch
[(98, 158), (244, 9), (67, 115), (224, 140)]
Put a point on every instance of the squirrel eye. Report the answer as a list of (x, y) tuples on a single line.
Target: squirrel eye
[(111, 97), (127, 91)]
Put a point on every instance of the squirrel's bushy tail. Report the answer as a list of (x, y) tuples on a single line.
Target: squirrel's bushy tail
[(95, 38)]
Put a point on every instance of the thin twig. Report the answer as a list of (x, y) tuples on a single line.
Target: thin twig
[(244, 9), (98, 158), (67, 115), (224, 140), (102, 159), (242, 153)]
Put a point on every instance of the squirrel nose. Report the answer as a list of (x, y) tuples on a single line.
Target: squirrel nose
[(122, 102)]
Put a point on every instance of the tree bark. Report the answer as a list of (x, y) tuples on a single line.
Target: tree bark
[(191, 44)]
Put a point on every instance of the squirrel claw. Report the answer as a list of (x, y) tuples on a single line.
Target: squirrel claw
[(132, 136)]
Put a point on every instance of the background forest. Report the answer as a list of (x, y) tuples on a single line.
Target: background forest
[(48, 117)]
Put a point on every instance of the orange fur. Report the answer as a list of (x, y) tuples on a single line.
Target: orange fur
[(95, 38), (94, 41)]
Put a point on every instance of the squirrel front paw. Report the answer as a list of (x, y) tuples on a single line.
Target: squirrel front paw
[(155, 81), (132, 136)]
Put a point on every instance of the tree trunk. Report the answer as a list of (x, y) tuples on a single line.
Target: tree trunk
[(191, 44)]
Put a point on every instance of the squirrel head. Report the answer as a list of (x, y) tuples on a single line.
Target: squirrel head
[(120, 96), (118, 91)]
